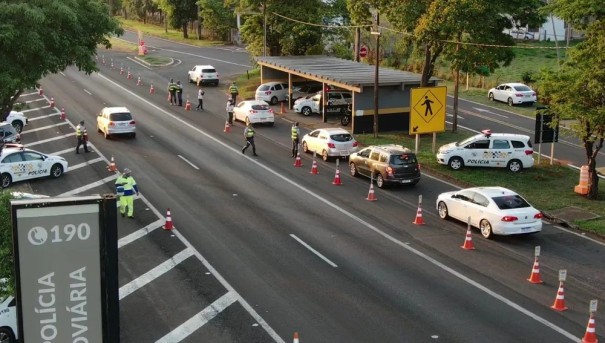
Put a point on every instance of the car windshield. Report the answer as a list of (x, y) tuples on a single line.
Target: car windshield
[(341, 137), (522, 88), (120, 116), (508, 202), (403, 159), (260, 107)]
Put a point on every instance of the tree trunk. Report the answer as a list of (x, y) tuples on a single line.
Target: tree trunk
[(426, 67), (592, 152), (185, 34)]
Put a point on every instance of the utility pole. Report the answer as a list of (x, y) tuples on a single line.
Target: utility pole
[(376, 72), (264, 28)]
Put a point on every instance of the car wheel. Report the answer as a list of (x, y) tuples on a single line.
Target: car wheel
[(133, 135), (18, 125), (325, 156), (305, 147), (306, 111), (486, 228), (353, 169), (510, 101), (514, 166), (271, 123), (56, 170), (379, 181), (273, 101), (7, 336), (247, 121), (456, 163), (6, 180), (491, 96), (442, 210)]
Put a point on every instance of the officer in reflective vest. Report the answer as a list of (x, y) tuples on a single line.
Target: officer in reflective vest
[(249, 135), (82, 136), (295, 139), (126, 187), (234, 92), (172, 89)]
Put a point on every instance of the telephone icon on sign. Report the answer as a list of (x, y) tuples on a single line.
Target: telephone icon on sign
[(37, 235)]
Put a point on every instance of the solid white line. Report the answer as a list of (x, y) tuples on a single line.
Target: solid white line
[(86, 164), (45, 116), (578, 234), (199, 320), (87, 92), (43, 128), (154, 273), (57, 153), (89, 186), (32, 93), (139, 233), (51, 139), (314, 251), (191, 164), (35, 109), (208, 58), (36, 100)]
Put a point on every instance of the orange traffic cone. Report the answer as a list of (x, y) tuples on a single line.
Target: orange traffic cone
[(559, 304), (295, 338), (418, 220), (112, 66), (96, 58), (314, 167), (52, 102), (151, 89), (40, 91), (139, 82), (337, 178), (168, 225), (121, 70), (283, 108), (468, 241), (129, 75), (298, 162), (62, 113), (188, 105), (227, 127), (371, 196), (112, 165), (590, 336), (103, 59), (535, 273)]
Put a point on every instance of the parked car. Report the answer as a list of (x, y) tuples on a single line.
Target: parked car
[(330, 142), (272, 92), (304, 90), (513, 94), (494, 210), (254, 111), (18, 120), (116, 121), (387, 164), (8, 320), (19, 164), (520, 34), (203, 74), (488, 149), (8, 133), (337, 100)]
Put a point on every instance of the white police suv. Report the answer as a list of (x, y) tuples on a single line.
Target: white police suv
[(488, 149), (8, 320), (19, 164)]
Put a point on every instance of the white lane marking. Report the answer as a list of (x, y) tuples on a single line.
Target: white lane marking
[(32, 93), (314, 251), (452, 115), (43, 128), (346, 213), (86, 91), (154, 273), (36, 100), (44, 116), (490, 112), (51, 139), (86, 163), (35, 109), (139, 233), (188, 162), (206, 57), (199, 320), (139, 63), (89, 186), (578, 234), (61, 152)]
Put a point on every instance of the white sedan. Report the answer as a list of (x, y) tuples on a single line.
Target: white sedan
[(494, 210), (254, 111), (512, 94), (330, 142), (19, 164)]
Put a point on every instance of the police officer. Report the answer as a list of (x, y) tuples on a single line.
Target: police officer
[(233, 91), (172, 90), (229, 110), (179, 92), (295, 139), (249, 136), (127, 186), (82, 136)]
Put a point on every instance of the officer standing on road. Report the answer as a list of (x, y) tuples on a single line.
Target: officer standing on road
[(128, 186), (82, 136), (295, 139), (179, 92), (200, 99), (233, 91), (172, 92), (230, 111), (249, 136)]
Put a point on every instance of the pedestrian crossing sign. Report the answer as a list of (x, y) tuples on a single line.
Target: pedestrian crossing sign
[(427, 112)]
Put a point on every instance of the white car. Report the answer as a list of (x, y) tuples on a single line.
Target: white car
[(272, 92), (18, 120), (494, 210), (254, 111), (8, 320), (338, 102), (488, 149), (116, 121), (330, 142), (202, 74), (513, 94), (19, 164)]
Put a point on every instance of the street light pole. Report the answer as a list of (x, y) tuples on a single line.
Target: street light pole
[(376, 70), (264, 28)]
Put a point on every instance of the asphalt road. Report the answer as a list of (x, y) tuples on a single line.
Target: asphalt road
[(276, 250)]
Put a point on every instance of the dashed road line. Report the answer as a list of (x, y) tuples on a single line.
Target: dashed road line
[(89, 186), (188, 162), (314, 251), (139, 233)]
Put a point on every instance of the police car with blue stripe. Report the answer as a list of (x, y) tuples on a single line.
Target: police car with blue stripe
[(18, 164)]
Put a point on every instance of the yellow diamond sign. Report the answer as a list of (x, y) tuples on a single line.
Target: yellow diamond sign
[(427, 112)]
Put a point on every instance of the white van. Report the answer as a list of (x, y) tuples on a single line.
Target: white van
[(312, 103)]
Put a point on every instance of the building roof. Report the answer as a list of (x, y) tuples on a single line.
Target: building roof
[(344, 73)]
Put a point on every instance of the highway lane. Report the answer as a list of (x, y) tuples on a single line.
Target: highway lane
[(379, 258)]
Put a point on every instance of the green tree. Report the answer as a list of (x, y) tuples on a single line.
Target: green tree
[(140, 8), (576, 92), (217, 17), (38, 38), (6, 247), (179, 13)]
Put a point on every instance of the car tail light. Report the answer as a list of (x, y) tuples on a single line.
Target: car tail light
[(217, 75), (529, 152), (509, 218), (268, 93), (331, 145), (112, 123), (519, 95), (270, 110), (538, 215), (252, 111), (534, 93), (355, 144), (132, 122), (418, 166), (389, 170)]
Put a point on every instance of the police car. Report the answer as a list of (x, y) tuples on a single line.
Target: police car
[(8, 320), (19, 164), (488, 149)]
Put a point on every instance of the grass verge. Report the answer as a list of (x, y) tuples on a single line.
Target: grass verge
[(166, 33)]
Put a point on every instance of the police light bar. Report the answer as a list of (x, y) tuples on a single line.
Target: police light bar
[(487, 132)]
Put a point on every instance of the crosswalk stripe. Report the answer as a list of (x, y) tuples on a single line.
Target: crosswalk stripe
[(50, 139), (139, 233), (89, 186), (43, 128)]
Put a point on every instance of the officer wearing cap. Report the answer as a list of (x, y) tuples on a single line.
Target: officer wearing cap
[(82, 136), (126, 187), (249, 136), (295, 139)]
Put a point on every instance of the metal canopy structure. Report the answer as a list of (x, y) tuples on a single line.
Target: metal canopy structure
[(339, 72)]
